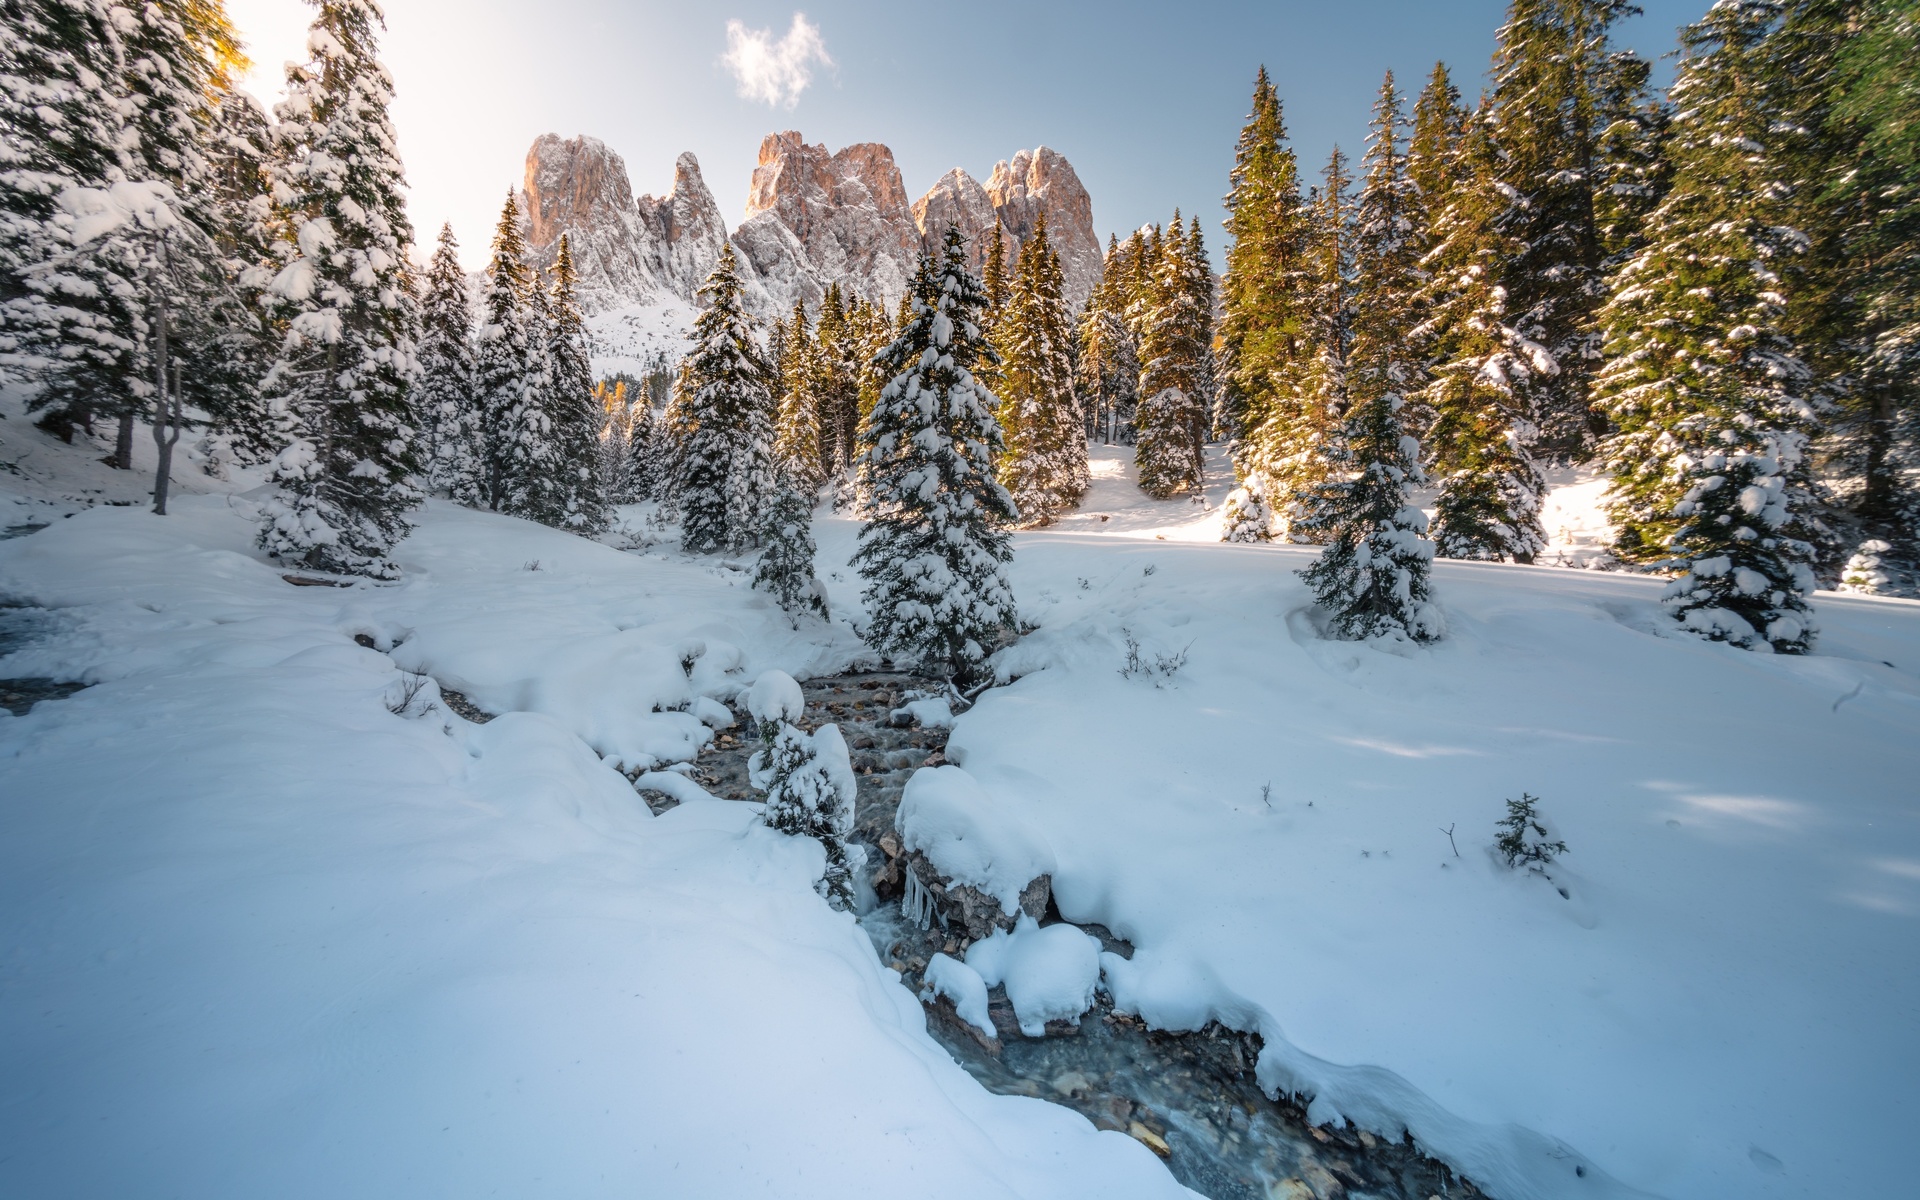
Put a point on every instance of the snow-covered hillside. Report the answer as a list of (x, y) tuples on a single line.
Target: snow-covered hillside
[(265, 935)]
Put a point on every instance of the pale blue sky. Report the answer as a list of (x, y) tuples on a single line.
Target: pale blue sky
[(1144, 99)]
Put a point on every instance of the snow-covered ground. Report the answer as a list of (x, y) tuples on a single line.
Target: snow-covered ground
[(264, 936)]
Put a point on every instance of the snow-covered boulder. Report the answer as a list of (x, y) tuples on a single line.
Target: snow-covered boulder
[(773, 697), (1049, 972), (982, 862)]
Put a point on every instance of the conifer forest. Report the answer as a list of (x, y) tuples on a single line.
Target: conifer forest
[(1399, 677)]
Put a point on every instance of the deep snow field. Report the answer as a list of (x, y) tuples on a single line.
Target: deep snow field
[(262, 936)]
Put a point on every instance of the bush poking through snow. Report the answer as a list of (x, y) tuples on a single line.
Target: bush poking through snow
[(1523, 839), (810, 791), (1248, 517), (1161, 668)]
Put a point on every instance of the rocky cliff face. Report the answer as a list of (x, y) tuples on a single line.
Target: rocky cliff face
[(1044, 182), (813, 218)]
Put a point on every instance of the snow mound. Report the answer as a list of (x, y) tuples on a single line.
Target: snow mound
[(969, 836), (960, 983), (928, 714), (1049, 972), (775, 697)]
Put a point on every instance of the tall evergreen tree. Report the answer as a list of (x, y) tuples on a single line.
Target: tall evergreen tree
[(647, 471), (1557, 83), (446, 394), (1175, 372), (1372, 577), (345, 483), (797, 431), (1867, 206), (507, 361), (726, 478), (1482, 393), (934, 554), (576, 416), (1269, 227), (1109, 361), (244, 227), (1704, 381), (837, 378), (1044, 466)]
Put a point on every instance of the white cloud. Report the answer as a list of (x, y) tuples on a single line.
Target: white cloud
[(776, 72)]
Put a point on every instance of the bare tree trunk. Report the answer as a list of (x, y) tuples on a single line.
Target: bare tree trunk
[(123, 443), (167, 410)]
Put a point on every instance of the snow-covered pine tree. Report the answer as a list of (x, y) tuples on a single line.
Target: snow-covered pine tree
[(797, 432), (726, 474), (239, 156), (1297, 443), (785, 570), (1557, 75), (934, 552), (345, 483), (646, 472), (1868, 250), (837, 372), (1372, 577), (506, 362), (577, 417), (1044, 466), (1483, 373), (538, 478), (446, 393), (998, 283), (1704, 381), (68, 307), (1269, 227), (1248, 516), (810, 788), (1175, 373)]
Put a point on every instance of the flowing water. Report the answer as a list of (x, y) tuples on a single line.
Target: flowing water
[(1190, 1097)]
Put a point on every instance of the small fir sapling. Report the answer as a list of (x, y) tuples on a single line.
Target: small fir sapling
[(785, 571), (1523, 839), (808, 780), (1248, 516)]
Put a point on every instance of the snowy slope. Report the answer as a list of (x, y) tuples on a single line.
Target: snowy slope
[(1723, 1006), (265, 937)]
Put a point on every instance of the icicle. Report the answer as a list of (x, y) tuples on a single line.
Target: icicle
[(917, 904)]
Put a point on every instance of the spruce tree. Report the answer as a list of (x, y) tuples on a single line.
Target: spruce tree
[(1708, 389), (577, 417), (1044, 467), (1868, 202), (1109, 361), (1482, 393), (1248, 515), (537, 468), (726, 471), (507, 358), (934, 553), (797, 426), (1558, 84), (345, 483), (1372, 577), (1269, 228), (1296, 444), (446, 394), (1175, 372), (785, 570), (239, 156), (647, 470), (837, 377), (615, 406)]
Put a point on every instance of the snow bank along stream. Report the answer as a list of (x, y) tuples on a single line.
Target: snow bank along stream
[(1190, 1097)]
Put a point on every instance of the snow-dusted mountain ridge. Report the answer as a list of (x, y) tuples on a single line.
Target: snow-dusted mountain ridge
[(814, 218)]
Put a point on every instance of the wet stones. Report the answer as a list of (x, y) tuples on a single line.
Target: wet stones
[(965, 910)]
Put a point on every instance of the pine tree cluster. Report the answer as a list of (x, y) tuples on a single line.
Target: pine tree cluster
[(1713, 296)]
